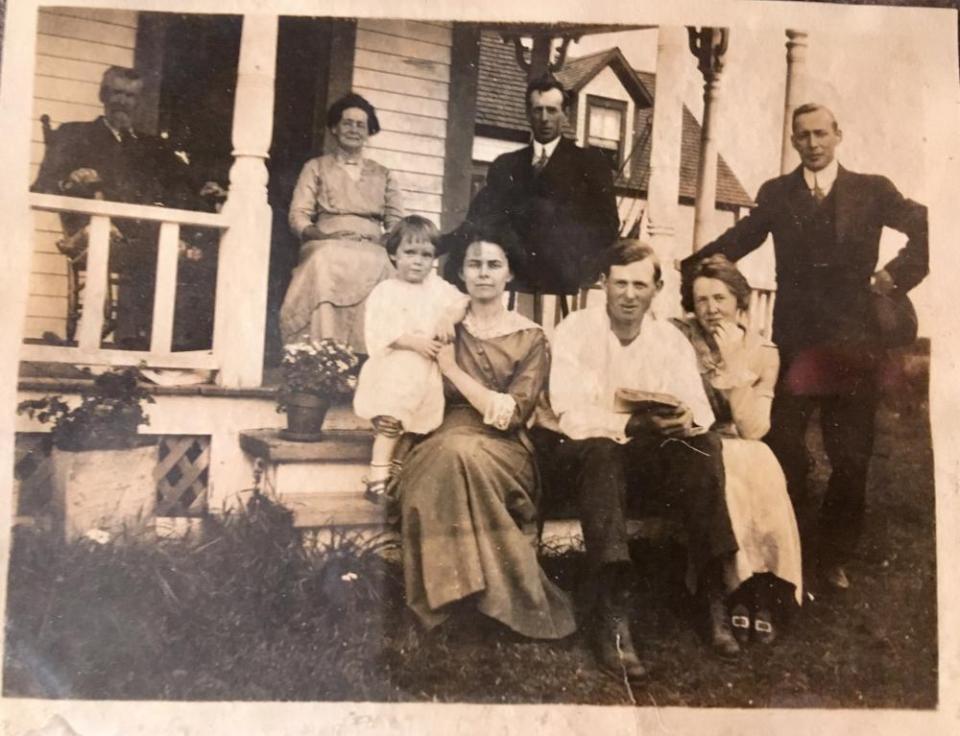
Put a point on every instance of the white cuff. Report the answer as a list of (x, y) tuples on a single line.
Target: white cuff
[(499, 411)]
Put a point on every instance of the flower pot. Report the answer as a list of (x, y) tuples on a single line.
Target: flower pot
[(104, 491), (305, 415)]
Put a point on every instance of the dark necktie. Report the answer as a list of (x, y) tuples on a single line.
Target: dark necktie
[(541, 162)]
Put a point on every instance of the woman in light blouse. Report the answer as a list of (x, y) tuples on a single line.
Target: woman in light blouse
[(342, 204), (739, 370)]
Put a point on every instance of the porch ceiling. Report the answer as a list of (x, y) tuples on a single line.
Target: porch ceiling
[(574, 30)]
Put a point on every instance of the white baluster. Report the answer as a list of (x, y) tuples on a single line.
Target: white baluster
[(96, 285), (161, 337)]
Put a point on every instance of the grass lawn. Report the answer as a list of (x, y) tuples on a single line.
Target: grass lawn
[(250, 614)]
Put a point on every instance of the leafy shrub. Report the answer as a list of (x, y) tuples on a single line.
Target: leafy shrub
[(107, 418)]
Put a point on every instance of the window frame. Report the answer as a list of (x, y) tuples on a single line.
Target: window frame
[(608, 103)]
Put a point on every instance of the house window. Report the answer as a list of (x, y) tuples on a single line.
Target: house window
[(606, 128), (478, 177)]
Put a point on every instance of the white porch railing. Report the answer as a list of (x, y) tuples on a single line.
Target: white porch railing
[(88, 350), (760, 310)]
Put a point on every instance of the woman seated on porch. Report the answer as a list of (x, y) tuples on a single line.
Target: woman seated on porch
[(341, 206), (739, 371), (468, 493)]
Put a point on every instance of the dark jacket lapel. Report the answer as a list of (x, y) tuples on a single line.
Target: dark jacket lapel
[(845, 201), (798, 198)]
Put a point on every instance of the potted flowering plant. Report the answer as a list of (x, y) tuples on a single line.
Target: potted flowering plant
[(102, 467), (315, 372)]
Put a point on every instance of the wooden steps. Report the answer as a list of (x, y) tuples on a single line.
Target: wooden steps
[(321, 482)]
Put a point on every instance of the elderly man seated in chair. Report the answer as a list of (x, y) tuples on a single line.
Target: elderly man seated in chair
[(107, 158), (633, 418)]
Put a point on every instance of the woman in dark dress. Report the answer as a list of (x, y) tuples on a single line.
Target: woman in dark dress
[(468, 493)]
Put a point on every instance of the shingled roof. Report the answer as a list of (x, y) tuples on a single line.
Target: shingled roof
[(501, 113)]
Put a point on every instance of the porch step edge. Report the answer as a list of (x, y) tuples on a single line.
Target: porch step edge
[(337, 445)]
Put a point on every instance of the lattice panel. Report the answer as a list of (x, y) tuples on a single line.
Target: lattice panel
[(181, 474)]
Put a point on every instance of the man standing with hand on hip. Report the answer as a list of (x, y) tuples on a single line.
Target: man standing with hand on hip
[(826, 224)]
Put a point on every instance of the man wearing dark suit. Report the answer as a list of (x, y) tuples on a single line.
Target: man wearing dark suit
[(552, 198), (107, 158), (826, 224)]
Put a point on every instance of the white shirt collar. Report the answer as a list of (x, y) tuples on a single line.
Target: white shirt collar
[(823, 178), (548, 147)]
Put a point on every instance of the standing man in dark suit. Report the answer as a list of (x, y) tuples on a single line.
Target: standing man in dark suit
[(826, 223), (553, 198)]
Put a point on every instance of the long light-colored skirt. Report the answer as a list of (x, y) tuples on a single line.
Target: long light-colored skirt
[(328, 290), (761, 514)]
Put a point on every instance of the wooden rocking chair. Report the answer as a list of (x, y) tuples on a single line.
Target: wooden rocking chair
[(74, 248)]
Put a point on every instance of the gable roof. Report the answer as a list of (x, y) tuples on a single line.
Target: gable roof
[(501, 112)]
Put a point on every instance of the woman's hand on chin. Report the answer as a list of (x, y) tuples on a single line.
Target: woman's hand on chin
[(729, 338)]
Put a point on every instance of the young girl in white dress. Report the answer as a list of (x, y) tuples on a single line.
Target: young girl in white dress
[(408, 319)]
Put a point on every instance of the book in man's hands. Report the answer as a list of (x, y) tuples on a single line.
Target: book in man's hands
[(629, 401)]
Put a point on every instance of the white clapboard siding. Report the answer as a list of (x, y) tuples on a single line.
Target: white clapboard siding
[(74, 47), (390, 82), (437, 32), (48, 263), (87, 71), (402, 161), (416, 68), (40, 286), (46, 243), (115, 17), (66, 90), (402, 103), (419, 144), (39, 325), (46, 306), (52, 23), (403, 68), (63, 112), (411, 122), (421, 182)]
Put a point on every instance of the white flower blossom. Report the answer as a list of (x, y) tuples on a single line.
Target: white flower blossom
[(100, 536)]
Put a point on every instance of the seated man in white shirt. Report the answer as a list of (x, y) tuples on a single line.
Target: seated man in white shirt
[(609, 455)]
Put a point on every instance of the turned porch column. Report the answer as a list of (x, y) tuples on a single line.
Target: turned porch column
[(709, 45), (663, 191), (795, 94), (245, 247)]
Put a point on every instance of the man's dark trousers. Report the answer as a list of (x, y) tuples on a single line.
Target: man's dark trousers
[(847, 425), (685, 476)]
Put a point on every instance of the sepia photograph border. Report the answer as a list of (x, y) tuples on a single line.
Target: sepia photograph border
[(940, 93)]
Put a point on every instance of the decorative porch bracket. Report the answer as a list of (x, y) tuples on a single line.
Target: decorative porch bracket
[(709, 46), (240, 321), (537, 60)]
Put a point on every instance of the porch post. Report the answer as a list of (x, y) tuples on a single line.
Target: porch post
[(664, 188), (796, 90), (243, 270), (16, 103), (709, 45)]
